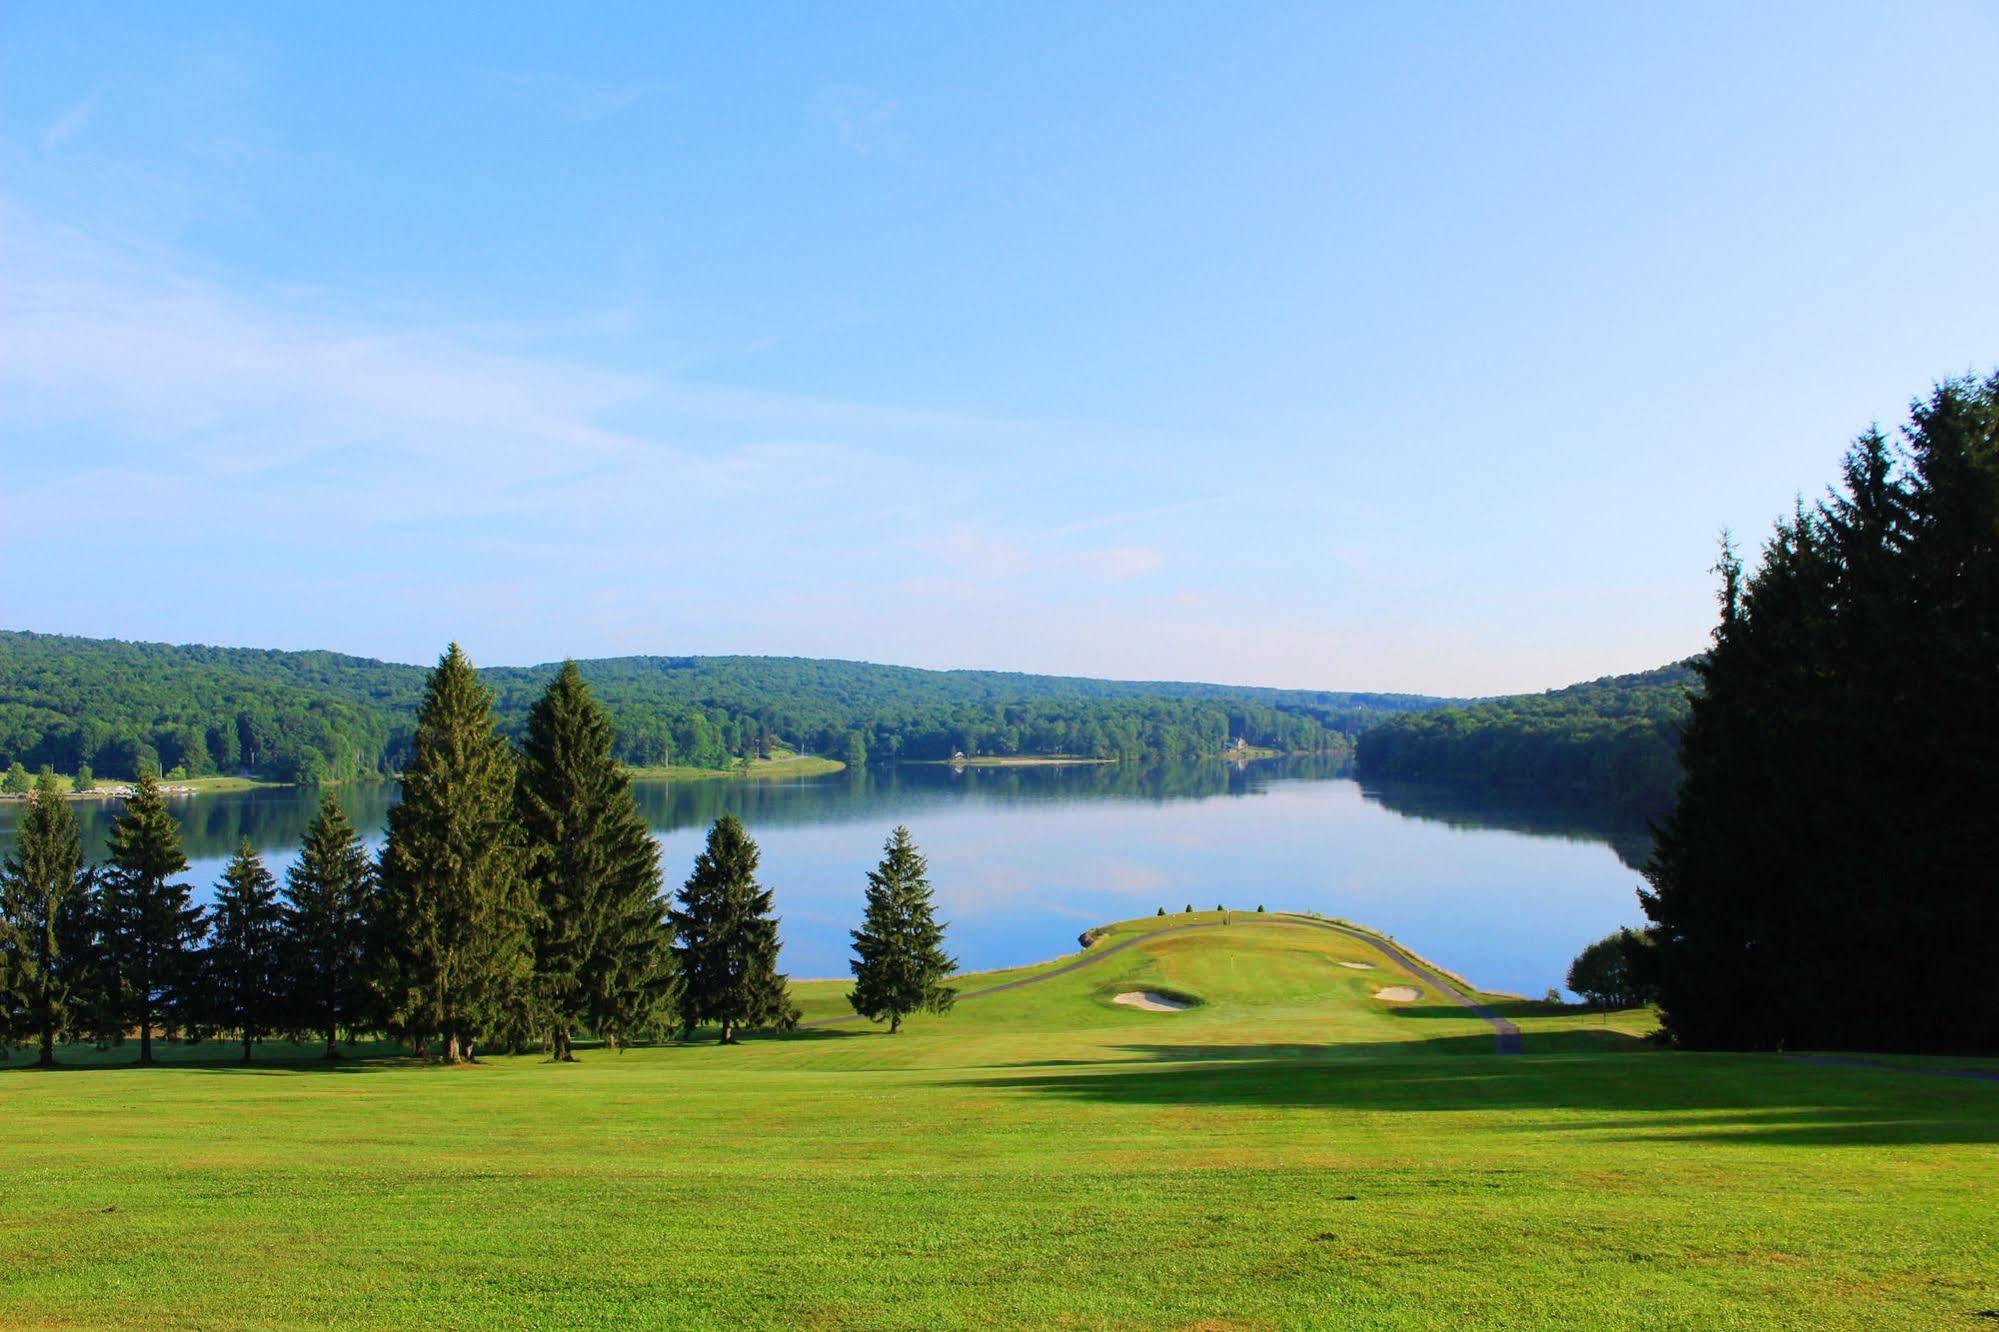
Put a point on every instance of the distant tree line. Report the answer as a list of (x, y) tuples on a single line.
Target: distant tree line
[(517, 903), (118, 708), (1829, 877), (1612, 741)]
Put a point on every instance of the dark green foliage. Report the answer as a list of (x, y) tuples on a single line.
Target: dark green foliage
[(726, 940), (899, 965), (855, 754), (1162, 911), (318, 715), (243, 967), (1614, 972), (117, 707), (328, 896), (1259, 908), (17, 781), (44, 890), (453, 931), (602, 949), (1611, 741), (1842, 766), (85, 779), (146, 926)]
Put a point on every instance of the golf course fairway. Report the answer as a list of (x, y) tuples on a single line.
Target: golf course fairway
[(1287, 1151)]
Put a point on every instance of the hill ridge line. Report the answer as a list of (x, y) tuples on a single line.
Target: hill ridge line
[(1506, 1036)]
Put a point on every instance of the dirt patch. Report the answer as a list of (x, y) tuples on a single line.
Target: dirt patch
[(1151, 1001), (1399, 994), (1359, 966)]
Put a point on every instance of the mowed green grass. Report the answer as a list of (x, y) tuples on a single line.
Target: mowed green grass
[(1291, 1153)]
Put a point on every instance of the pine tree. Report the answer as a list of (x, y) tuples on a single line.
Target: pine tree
[(726, 940), (147, 925), (44, 890), (327, 898), (899, 961), (1841, 760), (244, 964), (603, 956), (456, 910)]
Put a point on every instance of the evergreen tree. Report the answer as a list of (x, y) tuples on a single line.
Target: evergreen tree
[(244, 963), (456, 910), (17, 781), (899, 961), (327, 899), (85, 779), (44, 888), (726, 940), (602, 950), (147, 926), (1842, 761)]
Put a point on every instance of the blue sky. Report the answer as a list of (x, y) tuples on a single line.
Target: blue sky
[(1413, 347)]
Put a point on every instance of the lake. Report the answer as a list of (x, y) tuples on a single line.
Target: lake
[(1023, 859)]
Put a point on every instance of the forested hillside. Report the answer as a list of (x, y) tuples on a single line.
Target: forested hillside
[(116, 706), (1614, 740)]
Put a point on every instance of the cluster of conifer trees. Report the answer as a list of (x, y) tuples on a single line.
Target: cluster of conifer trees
[(517, 902), (1827, 879)]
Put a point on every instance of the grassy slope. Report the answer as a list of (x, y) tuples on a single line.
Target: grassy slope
[(1291, 1153)]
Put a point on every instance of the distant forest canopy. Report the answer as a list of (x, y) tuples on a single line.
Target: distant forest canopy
[(116, 706), (1616, 738)]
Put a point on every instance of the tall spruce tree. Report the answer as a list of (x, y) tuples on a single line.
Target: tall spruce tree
[(44, 891), (900, 966), (603, 952), (148, 926), (1841, 763), (327, 899), (243, 967), (456, 909), (726, 940)]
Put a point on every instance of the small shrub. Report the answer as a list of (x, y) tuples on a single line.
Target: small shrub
[(1162, 911), (1615, 971)]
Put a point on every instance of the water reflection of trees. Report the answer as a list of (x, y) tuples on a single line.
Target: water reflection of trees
[(274, 820), (1575, 820), (213, 825), (899, 790)]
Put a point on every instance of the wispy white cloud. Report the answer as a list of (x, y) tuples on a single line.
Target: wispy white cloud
[(986, 556), (865, 122), (66, 127), (581, 101)]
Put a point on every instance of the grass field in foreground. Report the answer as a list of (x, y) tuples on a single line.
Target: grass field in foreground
[(1290, 1153)]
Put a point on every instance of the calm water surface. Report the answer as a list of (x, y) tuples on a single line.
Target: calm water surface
[(1023, 859)]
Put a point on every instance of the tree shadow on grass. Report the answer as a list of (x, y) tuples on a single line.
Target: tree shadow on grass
[(1674, 1097), (367, 1057), (113, 1061)]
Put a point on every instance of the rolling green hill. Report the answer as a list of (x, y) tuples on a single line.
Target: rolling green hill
[(1613, 742), (1290, 1152), (115, 705)]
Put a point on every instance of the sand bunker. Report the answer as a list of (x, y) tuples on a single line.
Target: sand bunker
[(1151, 1001), (1400, 994), (1359, 966)]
